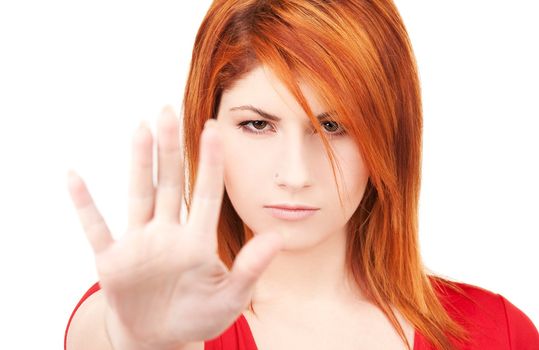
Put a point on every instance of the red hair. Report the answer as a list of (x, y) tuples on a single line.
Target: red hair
[(358, 56)]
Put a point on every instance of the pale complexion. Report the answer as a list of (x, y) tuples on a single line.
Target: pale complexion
[(311, 265), (302, 299), (305, 285)]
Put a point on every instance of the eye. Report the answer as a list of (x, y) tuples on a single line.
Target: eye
[(258, 124), (334, 128)]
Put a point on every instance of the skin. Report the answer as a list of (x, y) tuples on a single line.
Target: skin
[(162, 283), (292, 149), (303, 298)]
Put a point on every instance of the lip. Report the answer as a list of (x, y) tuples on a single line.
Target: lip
[(291, 213), (292, 207)]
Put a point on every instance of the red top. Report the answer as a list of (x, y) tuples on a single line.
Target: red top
[(494, 323)]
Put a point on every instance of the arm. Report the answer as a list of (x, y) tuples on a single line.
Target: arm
[(87, 328), (164, 283)]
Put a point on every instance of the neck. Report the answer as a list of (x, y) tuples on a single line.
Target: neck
[(308, 275)]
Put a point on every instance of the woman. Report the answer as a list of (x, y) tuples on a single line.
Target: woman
[(295, 92)]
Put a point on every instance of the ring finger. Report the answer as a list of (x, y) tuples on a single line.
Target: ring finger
[(141, 189), (170, 174)]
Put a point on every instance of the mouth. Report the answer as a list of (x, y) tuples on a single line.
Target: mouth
[(292, 207), (291, 213)]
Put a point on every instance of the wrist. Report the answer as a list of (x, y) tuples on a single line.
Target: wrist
[(117, 335), (120, 339)]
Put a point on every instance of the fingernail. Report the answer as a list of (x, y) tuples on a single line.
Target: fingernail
[(144, 124), (166, 109), (72, 178)]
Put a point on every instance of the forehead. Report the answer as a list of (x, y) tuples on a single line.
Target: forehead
[(261, 88)]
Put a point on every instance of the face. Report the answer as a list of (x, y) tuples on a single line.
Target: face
[(256, 149)]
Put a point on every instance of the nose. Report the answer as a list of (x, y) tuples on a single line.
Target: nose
[(294, 163)]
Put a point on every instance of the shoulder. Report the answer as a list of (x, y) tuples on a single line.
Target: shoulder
[(520, 327), (467, 299), (491, 318)]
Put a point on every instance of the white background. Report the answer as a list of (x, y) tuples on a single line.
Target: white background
[(76, 78)]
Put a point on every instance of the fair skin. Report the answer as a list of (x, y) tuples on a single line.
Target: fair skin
[(292, 149), (162, 282), (306, 280)]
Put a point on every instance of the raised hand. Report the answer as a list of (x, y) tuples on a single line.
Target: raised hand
[(163, 281)]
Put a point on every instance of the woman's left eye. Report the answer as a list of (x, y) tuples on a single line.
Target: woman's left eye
[(263, 123)]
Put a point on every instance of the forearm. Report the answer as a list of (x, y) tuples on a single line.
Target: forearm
[(87, 329), (95, 327)]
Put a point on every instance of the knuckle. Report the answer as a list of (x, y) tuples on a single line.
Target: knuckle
[(169, 186), (141, 197), (94, 229)]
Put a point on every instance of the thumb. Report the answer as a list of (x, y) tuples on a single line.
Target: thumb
[(251, 262)]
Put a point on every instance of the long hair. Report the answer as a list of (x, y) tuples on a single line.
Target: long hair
[(358, 56)]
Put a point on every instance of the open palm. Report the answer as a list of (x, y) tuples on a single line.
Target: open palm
[(163, 280)]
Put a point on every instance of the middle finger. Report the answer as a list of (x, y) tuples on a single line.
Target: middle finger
[(141, 189), (170, 172)]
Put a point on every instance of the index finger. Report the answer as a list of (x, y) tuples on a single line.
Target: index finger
[(95, 228), (209, 186)]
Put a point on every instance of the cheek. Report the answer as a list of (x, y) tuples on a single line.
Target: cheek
[(355, 173), (243, 165)]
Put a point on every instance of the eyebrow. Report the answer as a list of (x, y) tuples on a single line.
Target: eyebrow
[(271, 116)]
